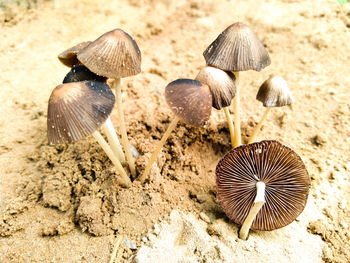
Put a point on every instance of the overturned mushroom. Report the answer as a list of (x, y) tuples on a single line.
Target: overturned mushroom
[(114, 55), (191, 102), (236, 49), (274, 92), (262, 186), (69, 56), (223, 89), (78, 109)]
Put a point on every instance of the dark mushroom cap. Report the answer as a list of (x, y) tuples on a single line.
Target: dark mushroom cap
[(69, 56), (82, 73), (77, 109), (113, 55), (190, 100), (280, 168), (221, 84), (274, 92), (237, 48)]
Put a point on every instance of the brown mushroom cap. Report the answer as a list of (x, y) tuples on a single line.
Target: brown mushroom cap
[(237, 48), (81, 73), (77, 109), (69, 56), (113, 55), (280, 168), (190, 100), (274, 92), (221, 84)]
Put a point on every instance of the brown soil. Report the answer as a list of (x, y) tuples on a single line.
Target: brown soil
[(55, 199)]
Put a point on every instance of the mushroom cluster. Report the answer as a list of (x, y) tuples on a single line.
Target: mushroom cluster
[(83, 103), (261, 185)]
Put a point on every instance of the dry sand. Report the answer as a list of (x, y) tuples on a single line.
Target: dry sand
[(64, 204)]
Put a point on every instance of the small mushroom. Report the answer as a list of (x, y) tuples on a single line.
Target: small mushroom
[(262, 186), (82, 73), (223, 89), (274, 92), (78, 109), (191, 102), (236, 49), (69, 56), (114, 55)]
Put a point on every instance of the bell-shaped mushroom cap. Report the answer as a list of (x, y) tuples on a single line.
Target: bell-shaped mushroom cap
[(237, 48), (77, 109), (221, 84), (274, 92), (82, 73), (113, 55), (190, 100), (280, 168), (69, 56)]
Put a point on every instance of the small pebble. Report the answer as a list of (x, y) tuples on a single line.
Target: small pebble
[(319, 140), (144, 239), (156, 229)]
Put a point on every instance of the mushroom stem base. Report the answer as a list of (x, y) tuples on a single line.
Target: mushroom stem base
[(258, 126), (154, 155), (230, 123), (125, 140), (236, 109), (125, 179), (258, 203), (113, 139)]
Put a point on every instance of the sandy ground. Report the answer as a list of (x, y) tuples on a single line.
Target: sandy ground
[(63, 203)]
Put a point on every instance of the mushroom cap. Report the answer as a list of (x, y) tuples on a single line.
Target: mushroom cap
[(280, 168), (82, 73), (190, 100), (77, 109), (69, 56), (113, 55), (274, 92), (237, 48), (221, 84)]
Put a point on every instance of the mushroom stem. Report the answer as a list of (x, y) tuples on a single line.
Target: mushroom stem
[(125, 179), (113, 139), (258, 203), (154, 155), (236, 109), (125, 141), (115, 249), (258, 126), (230, 124)]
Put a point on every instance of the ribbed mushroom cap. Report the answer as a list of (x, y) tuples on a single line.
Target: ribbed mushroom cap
[(280, 168), (77, 109), (221, 84), (69, 56), (190, 100), (274, 92), (114, 55), (82, 73), (237, 48)]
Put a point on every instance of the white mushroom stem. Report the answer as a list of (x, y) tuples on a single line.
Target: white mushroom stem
[(236, 109), (154, 155), (125, 140), (258, 126), (230, 123), (125, 179), (113, 139), (258, 203)]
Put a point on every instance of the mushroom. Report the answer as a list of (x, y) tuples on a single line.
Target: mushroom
[(262, 186), (78, 109), (69, 56), (274, 92), (236, 49), (82, 73), (191, 102), (114, 55), (223, 89)]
